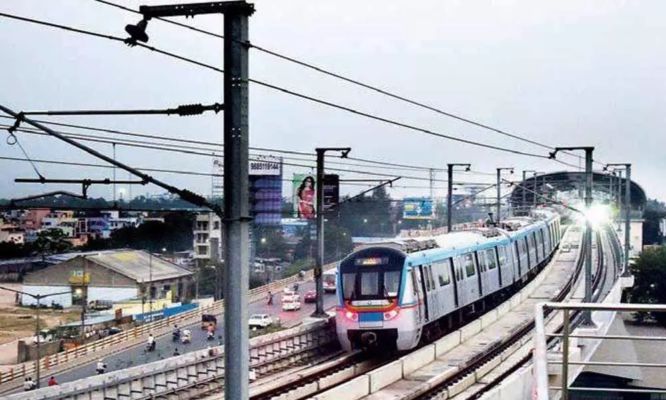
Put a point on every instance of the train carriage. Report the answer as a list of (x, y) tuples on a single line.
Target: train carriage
[(391, 294)]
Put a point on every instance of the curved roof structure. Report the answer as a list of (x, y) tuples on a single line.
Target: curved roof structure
[(569, 180)]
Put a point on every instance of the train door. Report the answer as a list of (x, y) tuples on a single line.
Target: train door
[(417, 295), (482, 269), (424, 285)]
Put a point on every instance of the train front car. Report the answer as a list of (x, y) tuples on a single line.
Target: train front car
[(376, 301)]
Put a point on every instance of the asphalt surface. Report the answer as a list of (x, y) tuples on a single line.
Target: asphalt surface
[(166, 347)]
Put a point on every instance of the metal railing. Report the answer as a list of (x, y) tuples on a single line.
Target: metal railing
[(86, 353), (541, 355)]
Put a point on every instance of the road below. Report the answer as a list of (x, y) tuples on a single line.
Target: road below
[(166, 347)]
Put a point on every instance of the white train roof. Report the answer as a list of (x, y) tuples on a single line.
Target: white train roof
[(470, 236)]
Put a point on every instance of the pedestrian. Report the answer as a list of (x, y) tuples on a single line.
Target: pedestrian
[(52, 381), (27, 384), (175, 352), (270, 298)]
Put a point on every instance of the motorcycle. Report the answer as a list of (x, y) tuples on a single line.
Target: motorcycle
[(211, 336), (186, 337)]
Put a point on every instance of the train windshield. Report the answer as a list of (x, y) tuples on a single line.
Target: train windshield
[(369, 276)]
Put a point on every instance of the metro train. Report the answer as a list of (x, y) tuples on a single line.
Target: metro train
[(394, 294)]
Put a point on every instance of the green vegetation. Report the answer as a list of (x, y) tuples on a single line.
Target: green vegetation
[(650, 282)]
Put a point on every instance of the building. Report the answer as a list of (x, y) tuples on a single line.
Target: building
[(113, 275), (207, 230), (11, 233)]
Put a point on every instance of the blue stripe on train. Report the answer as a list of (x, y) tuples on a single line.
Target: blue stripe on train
[(370, 317)]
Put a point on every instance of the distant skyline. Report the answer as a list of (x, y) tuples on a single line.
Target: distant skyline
[(563, 73)]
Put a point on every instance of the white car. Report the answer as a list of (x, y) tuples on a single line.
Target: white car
[(260, 321), (291, 302)]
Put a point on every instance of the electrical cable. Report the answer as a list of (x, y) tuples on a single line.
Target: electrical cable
[(294, 93), (138, 144), (352, 81)]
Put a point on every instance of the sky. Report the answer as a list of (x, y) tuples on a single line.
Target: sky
[(562, 73)]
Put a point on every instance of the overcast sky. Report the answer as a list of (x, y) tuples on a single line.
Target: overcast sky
[(558, 72)]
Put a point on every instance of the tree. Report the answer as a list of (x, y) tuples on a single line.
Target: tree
[(654, 212), (650, 280)]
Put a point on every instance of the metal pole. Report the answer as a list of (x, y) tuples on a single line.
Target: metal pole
[(150, 279), (236, 206), (627, 220), (565, 355), (38, 329), (522, 189), (610, 187), (587, 317), (534, 195), (319, 285), (618, 198), (499, 197), (449, 195)]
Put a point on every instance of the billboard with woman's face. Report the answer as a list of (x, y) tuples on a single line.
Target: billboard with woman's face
[(304, 196)]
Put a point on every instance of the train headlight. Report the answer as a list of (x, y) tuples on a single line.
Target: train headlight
[(388, 315), (352, 316)]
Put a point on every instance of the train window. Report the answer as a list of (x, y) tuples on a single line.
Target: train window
[(391, 283), (490, 259), (348, 284), (369, 283), (468, 261), (443, 273)]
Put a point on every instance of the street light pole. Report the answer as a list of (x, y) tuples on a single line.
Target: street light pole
[(499, 193), (319, 265), (627, 213), (525, 186), (449, 196), (589, 150), (38, 298)]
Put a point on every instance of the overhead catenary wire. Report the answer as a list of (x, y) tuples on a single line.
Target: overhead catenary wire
[(292, 92), (209, 143), (351, 80), (212, 155)]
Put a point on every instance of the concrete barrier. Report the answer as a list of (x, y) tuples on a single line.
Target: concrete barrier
[(447, 343), (488, 318), (417, 359), (470, 330), (352, 390), (386, 375)]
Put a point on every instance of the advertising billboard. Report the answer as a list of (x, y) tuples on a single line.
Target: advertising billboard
[(417, 208), (304, 194), (265, 175)]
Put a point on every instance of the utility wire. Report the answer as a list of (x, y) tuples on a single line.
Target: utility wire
[(294, 93), (352, 81), (208, 143), (208, 153)]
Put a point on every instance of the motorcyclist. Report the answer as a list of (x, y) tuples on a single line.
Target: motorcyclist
[(211, 335), (175, 352), (176, 333), (101, 366), (151, 342), (186, 337)]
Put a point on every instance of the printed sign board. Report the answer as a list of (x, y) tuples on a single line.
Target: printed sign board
[(417, 208)]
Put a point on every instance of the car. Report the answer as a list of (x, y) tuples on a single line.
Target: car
[(291, 302), (260, 321), (208, 320), (310, 296)]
